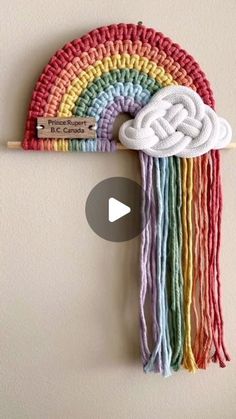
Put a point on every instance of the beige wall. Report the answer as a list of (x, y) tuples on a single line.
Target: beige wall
[(68, 299)]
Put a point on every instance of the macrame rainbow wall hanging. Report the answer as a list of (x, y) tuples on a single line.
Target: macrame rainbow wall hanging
[(128, 68)]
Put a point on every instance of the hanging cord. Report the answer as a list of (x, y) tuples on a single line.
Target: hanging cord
[(202, 253), (202, 262), (218, 323), (180, 246), (155, 298), (166, 347), (143, 261), (204, 350), (198, 301), (161, 353), (155, 362), (214, 308), (187, 187), (174, 263), (207, 307), (148, 294)]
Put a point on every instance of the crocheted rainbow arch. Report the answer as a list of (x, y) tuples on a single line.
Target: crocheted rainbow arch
[(117, 69)]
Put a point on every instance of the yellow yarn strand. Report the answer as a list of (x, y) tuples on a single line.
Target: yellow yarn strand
[(187, 188)]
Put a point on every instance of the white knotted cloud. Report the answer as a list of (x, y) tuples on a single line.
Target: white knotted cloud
[(176, 122)]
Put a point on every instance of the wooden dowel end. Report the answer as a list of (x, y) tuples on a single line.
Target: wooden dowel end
[(14, 145)]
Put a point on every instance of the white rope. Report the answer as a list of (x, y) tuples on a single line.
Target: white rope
[(176, 122)]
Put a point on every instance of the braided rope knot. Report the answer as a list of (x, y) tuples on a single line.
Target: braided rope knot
[(176, 122)]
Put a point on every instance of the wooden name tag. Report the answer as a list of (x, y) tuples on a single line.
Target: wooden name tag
[(75, 127)]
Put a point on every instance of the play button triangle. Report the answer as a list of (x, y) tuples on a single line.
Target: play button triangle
[(114, 209), (117, 210)]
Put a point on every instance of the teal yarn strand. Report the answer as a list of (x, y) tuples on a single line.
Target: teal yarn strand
[(180, 245)]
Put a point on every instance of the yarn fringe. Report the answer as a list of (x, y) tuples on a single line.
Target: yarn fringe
[(180, 277)]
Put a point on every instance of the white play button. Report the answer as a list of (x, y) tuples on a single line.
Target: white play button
[(117, 210), (114, 209)]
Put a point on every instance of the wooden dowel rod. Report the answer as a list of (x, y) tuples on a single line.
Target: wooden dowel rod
[(16, 145)]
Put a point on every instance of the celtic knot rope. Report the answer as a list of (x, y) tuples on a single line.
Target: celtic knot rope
[(176, 122)]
